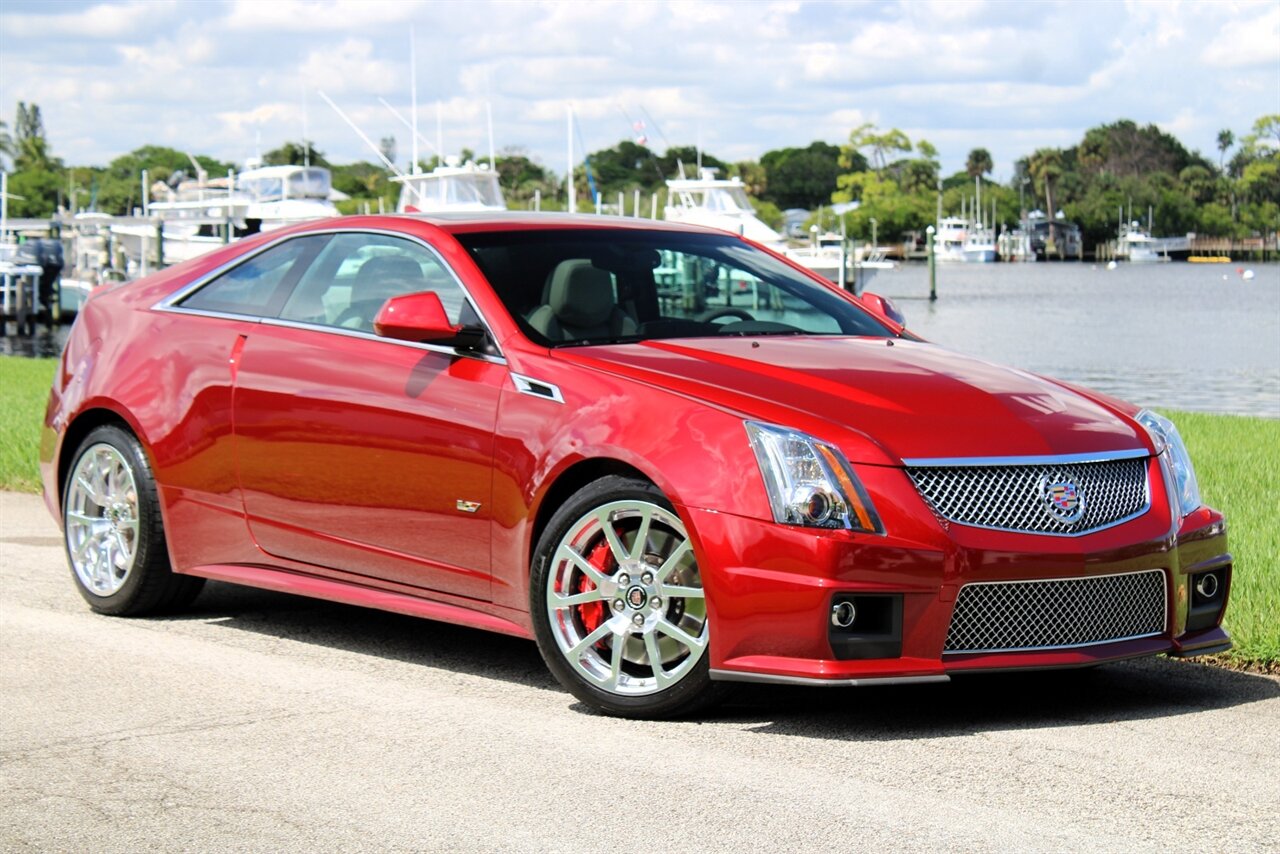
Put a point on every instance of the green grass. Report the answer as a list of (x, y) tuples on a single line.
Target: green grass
[(24, 390), (1237, 462)]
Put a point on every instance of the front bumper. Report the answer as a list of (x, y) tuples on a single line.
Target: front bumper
[(773, 586)]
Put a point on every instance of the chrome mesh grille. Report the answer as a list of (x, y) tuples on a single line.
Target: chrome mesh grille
[(1012, 497), (1004, 616)]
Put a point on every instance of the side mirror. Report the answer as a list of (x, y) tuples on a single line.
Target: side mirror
[(416, 317), (884, 306)]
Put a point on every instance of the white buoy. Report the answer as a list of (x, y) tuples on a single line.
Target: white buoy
[(1247, 275), (1111, 265)]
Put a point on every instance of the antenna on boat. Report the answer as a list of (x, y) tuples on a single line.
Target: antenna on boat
[(439, 135), (413, 97), (306, 143), (569, 188), (488, 114), (416, 135), (377, 151)]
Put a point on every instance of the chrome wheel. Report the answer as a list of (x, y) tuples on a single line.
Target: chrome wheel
[(625, 600), (101, 519)]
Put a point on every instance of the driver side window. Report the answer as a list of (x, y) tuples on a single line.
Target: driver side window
[(357, 273)]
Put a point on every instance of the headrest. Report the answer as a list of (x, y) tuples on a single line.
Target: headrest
[(388, 274), (581, 295)]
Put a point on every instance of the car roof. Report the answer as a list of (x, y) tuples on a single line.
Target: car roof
[(460, 223)]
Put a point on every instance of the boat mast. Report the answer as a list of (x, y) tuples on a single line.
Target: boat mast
[(413, 98), (488, 114), (569, 188)]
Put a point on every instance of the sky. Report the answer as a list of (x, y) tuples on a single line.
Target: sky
[(232, 79)]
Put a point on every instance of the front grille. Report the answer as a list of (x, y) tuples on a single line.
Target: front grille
[(1014, 497), (1057, 613)]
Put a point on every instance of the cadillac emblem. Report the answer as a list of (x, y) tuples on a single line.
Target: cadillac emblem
[(1063, 500)]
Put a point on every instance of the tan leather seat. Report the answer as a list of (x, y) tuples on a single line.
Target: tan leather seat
[(377, 280), (580, 305)]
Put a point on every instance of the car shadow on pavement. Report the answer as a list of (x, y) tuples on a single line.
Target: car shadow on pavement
[(1132, 690), (366, 631)]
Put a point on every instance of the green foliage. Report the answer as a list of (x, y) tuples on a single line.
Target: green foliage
[(801, 177), (34, 193), (296, 154), (978, 163), (1237, 462), (24, 389)]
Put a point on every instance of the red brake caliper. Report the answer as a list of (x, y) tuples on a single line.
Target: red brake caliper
[(592, 613)]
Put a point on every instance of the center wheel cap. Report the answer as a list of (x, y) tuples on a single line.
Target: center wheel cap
[(637, 597)]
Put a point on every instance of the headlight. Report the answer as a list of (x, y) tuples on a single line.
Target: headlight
[(1174, 458), (809, 482)]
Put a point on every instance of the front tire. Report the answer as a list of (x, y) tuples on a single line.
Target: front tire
[(618, 606), (113, 531)]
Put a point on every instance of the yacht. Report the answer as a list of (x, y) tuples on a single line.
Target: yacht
[(203, 214), (953, 233), (718, 203), (455, 186), (1139, 247), (979, 245)]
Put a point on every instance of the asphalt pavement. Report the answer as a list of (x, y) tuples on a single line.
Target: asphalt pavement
[(263, 722)]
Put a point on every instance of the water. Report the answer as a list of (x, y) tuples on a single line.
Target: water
[(1181, 336)]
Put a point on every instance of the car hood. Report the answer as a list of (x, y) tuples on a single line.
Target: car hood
[(882, 400)]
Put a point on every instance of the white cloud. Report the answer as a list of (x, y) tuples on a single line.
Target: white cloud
[(1253, 40), (744, 76)]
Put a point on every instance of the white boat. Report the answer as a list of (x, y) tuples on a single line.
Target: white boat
[(952, 234), (202, 215), (1139, 247), (455, 186), (979, 245), (718, 203)]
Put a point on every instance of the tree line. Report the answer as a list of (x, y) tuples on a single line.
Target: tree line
[(1114, 171)]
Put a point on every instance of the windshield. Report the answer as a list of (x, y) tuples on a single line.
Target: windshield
[(599, 286), (309, 184), (727, 200)]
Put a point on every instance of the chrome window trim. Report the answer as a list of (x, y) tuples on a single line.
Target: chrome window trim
[(1165, 627), (525, 385), (170, 303), (1059, 459)]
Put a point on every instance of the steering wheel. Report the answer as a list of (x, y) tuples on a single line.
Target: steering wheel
[(727, 311)]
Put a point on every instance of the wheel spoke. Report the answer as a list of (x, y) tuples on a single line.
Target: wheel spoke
[(584, 598), (583, 564), (602, 630), (615, 661), (680, 636), (655, 659), (615, 545), (642, 533), (678, 592), (673, 560), (89, 491)]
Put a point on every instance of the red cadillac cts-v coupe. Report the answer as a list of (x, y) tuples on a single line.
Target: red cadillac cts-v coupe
[(665, 453)]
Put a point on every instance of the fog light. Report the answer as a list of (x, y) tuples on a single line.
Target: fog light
[(1207, 585), (843, 614)]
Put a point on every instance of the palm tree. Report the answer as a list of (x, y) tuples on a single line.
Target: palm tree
[(1226, 139), (6, 141), (979, 162)]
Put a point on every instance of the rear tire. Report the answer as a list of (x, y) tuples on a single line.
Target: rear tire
[(615, 587), (113, 532)]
